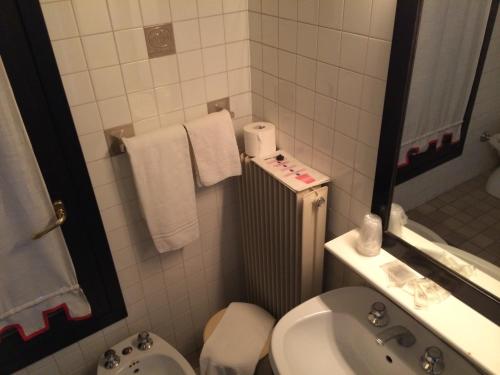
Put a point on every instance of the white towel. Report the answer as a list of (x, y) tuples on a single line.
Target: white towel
[(236, 343), (164, 179), (214, 146)]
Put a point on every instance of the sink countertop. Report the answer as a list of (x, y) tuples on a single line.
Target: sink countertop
[(479, 341)]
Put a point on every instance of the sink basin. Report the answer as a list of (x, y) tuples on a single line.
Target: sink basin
[(331, 334), (161, 359)]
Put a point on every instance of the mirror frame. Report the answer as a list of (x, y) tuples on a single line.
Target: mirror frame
[(402, 55)]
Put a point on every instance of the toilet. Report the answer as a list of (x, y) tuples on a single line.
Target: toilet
[(493, 184), (145, 353)]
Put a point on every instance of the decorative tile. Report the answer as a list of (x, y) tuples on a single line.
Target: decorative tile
[(160, 40)]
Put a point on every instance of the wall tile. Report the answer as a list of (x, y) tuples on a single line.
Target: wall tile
[(131, 45), (287, 63), (60, 20), (323, 138), (270, 29), (288, 9), (190, 65), (239, 81), (100, 50), (114, 112), (183, 9), (234, 5), (353, 52), (270, 7), (155, 12), (236, 26), (238, 54), (69, 55), (142, 105), (137, 76), (164, 70), (357, 16), (214, 59), (193, 92), (108, 82), (377, 59), (327, 79), (94, 146), (331, 13), (169, 98), (382, 19), (307, 40), (306, 72), (86, 118), (308, 11), (287, 35), (350, 87), (344, 149), (346, 119), (329, 46), (125, 14), (92, 16), (187, 35), (209, 7), (373, 95), (217, 86), (78, 88), (212, 31)]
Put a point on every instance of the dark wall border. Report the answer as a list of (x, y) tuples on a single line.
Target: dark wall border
[(386, 176)]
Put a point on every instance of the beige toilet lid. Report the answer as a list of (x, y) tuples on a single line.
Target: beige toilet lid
[(214, 321)]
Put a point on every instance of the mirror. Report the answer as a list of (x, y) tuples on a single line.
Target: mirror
[(454, 206), (439, 147)]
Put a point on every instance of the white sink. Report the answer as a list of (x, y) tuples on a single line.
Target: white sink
[(331, 334), (160, 359)]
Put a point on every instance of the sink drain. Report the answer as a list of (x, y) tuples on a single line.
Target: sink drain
[(388, 359)]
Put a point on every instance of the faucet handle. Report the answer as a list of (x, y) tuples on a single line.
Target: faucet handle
[(432, 361), (144, 340), (378, 315), (111, 359)]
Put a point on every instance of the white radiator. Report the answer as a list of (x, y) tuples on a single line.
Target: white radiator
[(283, 205)]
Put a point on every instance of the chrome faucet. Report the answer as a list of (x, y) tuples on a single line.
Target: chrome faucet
[(111, 359), (378, 315), (401, 334), (432, 361), (144, 341)]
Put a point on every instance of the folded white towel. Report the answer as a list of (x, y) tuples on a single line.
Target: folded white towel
[(164, 179), (214, 147), (236, 343)]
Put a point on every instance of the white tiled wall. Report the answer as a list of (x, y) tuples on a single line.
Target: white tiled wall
[(319, 70), (109, 81), (478, 157)]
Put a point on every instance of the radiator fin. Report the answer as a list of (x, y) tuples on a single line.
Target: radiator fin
[(283, 249)]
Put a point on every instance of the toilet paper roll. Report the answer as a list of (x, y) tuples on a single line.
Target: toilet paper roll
[(260, 139)]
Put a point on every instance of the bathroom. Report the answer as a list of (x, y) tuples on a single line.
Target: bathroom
[(85, 78)]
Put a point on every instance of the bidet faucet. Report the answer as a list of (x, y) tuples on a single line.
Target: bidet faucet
[(432, 361), (401, 334), (378, 315), (111, 359), (144, 341)]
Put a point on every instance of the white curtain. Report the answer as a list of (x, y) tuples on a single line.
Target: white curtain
[(449, 41), (36, 276)]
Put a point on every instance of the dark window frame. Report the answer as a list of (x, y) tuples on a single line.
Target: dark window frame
[(31, 66)]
